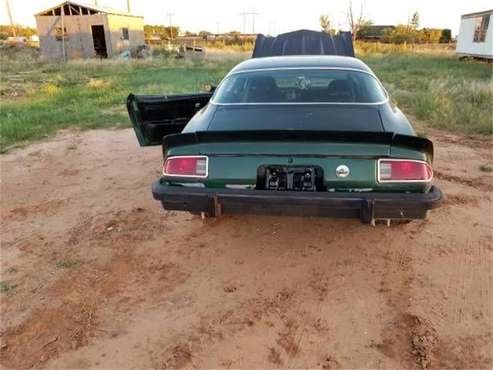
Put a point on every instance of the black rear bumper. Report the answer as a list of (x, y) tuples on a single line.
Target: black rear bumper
[(365, 206)]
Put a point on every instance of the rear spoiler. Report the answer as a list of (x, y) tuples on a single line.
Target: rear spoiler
[(388, 138)]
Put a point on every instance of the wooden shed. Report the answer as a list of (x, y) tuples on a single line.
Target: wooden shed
[(74, 30)]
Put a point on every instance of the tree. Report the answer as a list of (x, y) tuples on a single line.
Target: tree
[(446, 36), (367, 31), (355, 23), (204, 34), (401, 34), (325, 23), (414, 20), (163, 32), (16, 30), (172, 32), (429, 35)]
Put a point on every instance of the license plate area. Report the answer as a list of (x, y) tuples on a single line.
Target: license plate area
[(292, 178)]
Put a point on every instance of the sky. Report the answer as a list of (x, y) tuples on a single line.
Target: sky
[(272, 17)]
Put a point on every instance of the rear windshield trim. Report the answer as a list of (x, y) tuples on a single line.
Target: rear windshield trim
[(291, 68), (386, 100)]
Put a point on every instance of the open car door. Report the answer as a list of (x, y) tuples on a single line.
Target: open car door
[(155, 116)]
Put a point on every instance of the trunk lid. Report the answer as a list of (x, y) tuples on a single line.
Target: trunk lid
[(237, 158)]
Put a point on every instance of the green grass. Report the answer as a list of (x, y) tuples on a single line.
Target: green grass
[(486, 168), (39, 98), (443, 91), (6, 287), (67, 264), (89, 94)]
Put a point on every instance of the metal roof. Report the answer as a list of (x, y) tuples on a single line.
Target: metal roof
[(99, 9), (302, 61), (477, 14)]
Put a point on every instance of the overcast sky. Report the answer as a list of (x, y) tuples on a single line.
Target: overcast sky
[(273, 16)]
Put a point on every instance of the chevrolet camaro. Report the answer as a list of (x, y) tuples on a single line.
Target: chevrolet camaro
[(289, 135)]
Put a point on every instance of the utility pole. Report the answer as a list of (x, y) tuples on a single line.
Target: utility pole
[(170, 20), (243, 15), (128, 6), (217, 27), (10, 18), (253, 14)]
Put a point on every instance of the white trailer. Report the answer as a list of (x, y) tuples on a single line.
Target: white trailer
[(475, 38)]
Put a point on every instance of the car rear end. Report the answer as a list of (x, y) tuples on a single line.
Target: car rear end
[(308, 136), (338, 174)]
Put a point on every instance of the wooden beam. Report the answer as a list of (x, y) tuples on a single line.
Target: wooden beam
[(63, 33), (74, 10)]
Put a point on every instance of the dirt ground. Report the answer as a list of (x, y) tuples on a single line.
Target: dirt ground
[(95, 274)]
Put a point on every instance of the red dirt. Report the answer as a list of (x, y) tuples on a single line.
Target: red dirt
[(102, 277)]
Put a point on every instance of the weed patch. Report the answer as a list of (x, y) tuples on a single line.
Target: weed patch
[(6, 287), (67, 264), (486, 168)]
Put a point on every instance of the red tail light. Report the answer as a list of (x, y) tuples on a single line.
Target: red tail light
[(186, 166), (404, 170)]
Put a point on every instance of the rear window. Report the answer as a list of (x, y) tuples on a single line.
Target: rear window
[(300, 86)]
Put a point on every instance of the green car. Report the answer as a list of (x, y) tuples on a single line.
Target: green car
[(289, 135)]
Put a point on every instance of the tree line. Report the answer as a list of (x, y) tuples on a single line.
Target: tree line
[(363, 28), (16, 30)]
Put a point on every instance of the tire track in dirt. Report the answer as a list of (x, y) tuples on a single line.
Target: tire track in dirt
[(460, 200), (215, 328), (476, 183), (47, 208), (282, 313), (464, 350), (408, 338)]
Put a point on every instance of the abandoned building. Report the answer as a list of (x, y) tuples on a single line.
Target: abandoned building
[(74, 30)]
